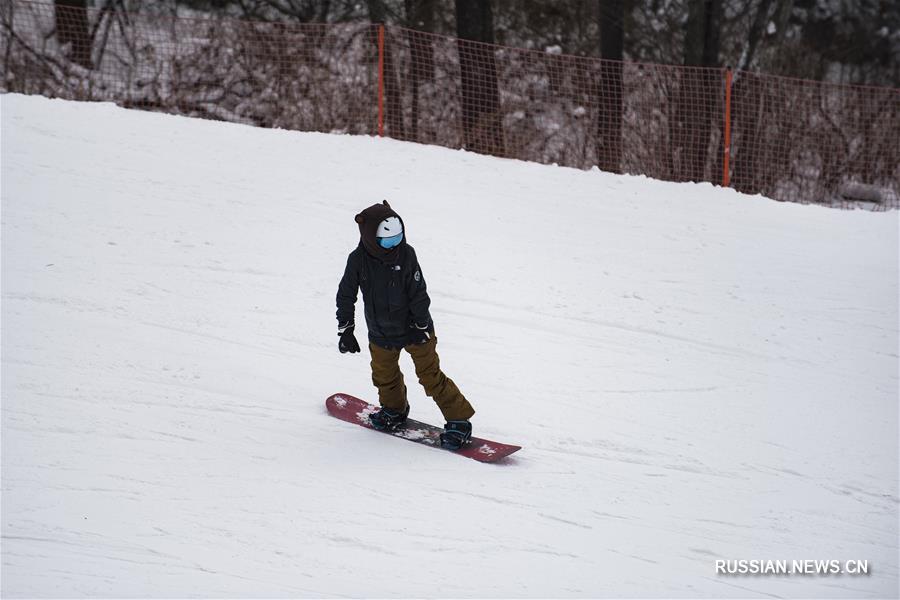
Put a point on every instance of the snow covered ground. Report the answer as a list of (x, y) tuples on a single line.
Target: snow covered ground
[(694, 374)]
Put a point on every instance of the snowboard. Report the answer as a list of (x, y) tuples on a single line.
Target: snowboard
[(353, 410)]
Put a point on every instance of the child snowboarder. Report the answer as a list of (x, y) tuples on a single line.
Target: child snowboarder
[(396, 304)]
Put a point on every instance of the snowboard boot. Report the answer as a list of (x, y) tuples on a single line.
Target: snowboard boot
[(386, 419), (456, 434)]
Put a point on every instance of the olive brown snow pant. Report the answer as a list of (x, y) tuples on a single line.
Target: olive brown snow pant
[(388, 379)]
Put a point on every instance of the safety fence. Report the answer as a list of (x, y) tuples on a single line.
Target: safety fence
[(788, 139)]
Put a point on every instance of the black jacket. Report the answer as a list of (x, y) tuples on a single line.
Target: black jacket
[(394, 296)]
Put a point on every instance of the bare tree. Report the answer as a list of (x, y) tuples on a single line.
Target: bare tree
[(482, 124), (420, 17), (697, 104), (73, 29), (757, 28), (609, 121)]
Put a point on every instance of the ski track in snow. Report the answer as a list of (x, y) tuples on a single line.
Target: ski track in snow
[(693, 373)]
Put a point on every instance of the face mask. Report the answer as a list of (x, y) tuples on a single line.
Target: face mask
[(390, 242)]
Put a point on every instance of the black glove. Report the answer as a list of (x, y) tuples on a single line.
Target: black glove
[(419, 334), (348, 342)]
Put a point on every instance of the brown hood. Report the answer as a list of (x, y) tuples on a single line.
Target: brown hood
[(368, 221)]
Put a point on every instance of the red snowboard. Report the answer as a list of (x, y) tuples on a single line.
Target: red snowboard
[(353, 410)]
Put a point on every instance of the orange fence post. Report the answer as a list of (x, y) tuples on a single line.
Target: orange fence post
[(381, 80), (726, 174)]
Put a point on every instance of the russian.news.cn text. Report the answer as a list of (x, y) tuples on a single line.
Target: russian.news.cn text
[(791, 567)]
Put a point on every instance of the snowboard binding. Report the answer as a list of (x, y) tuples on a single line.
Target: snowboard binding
[(386, 419), (456, 434)]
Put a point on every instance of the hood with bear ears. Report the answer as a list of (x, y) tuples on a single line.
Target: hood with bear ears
[(368, 221)]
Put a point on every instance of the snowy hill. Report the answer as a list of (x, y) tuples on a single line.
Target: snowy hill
[(693, 374)]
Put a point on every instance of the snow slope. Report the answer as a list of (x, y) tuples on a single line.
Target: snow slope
[(694, 374)]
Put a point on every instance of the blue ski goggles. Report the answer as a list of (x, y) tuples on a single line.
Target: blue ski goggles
[(390, 242)]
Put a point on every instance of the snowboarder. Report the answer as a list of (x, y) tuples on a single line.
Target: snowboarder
[(396, 303)]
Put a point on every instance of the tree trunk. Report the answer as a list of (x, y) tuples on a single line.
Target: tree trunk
[(610, 93), (419, 18), (694, 33), (748, 102), (72, 28), (755, 35), (712, 22), (481, 117), (696, 113)]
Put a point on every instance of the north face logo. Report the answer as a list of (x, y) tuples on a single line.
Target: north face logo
[(417, 276)]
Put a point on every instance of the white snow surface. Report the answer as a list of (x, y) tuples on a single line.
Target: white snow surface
[(693, 374)]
